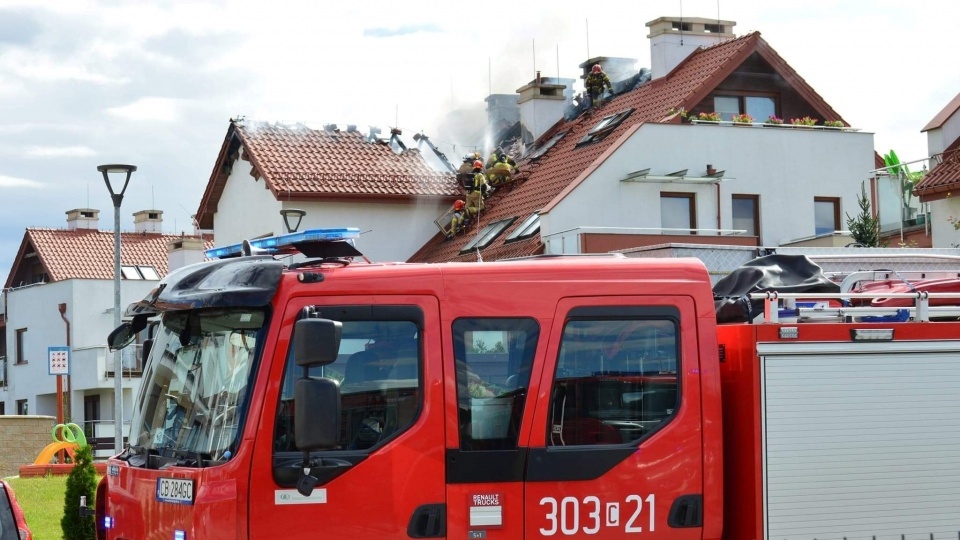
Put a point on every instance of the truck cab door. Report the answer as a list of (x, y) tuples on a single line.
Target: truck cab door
[(616, 447), (386, 477), (489, 370)]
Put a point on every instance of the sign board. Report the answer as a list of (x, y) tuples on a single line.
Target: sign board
[(58, 360)]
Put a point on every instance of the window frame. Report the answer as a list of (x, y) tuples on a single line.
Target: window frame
[(20, 334), (605, 126), (526, 229), (23, 407), (756, 210), (692, 200), (621, 313), (835, 201), (487, 235), (741, 97), (283, 459)]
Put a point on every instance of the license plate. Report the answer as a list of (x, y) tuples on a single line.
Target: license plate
[(175, 490)]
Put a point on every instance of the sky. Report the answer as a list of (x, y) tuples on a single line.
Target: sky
[(154, 84)]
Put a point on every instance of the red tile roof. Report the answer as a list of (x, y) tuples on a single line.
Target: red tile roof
[(558, 171), (943, 115), (944, 178), (297, 162), (88, 253)]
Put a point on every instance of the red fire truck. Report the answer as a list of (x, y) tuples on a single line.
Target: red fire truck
[(588, 397)]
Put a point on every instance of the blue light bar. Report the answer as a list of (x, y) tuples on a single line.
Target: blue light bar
[(274, 244), (107, 522), (179, 535)]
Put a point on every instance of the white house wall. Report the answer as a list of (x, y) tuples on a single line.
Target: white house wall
[(391, 231), (787, 168), (939, 139), (943, 235), (90, 312)]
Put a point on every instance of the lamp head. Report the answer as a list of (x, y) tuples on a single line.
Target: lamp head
[(113, 175), (292, 218)]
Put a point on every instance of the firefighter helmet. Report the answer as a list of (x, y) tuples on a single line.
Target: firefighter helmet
[(478, 164), (597, 68), (458, 205)]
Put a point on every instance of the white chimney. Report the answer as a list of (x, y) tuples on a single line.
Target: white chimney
[(672, 39), (541, 106), (150, 221), (184, 251), (83, 218)]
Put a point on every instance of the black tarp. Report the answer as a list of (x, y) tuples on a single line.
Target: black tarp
[(781, 273)]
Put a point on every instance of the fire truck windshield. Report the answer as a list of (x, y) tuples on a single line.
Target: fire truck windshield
[(195, 385)]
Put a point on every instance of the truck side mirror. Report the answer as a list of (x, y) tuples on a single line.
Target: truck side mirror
[(316, 342), (317, 419), (124, 334)]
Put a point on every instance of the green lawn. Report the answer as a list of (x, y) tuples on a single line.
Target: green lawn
[(42, 503)]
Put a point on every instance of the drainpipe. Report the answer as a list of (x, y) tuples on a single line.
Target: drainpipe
[(60, 402)]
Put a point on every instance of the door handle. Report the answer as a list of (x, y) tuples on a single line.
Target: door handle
[(428, 521), (686, 511)]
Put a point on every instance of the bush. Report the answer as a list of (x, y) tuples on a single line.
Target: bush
[(81, 482)]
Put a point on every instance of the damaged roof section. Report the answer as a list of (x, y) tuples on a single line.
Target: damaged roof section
[(298, 162)]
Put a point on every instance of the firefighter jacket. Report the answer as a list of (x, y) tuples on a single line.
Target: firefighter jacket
[(596, 81)]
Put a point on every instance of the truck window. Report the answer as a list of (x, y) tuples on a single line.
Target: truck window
[(493, 361), (379, 371), (615, 382)]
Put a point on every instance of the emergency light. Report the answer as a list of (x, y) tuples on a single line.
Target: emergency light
[(286, 242)]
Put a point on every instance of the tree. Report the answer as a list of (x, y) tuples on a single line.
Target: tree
[(81, 482), (865, 228)]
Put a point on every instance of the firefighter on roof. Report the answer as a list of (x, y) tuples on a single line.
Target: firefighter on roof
[(502, 171), (476, 190), (458, 219), (595, 83)]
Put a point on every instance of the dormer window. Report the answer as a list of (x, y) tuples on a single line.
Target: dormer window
[(139, 273), (604, 127), (486, 236)]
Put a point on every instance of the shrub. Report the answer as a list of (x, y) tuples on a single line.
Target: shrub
[(805, 121), (742, 118), (709, 116), (81, 482), (833, 123)]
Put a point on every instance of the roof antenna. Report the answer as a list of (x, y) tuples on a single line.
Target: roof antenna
[(558, 63), (719, 29), (489, 77), (588, 38), (681, 23), (534, 46)]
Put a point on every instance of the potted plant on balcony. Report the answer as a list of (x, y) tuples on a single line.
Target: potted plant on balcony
[(709, 117), (742, 119), (806, 121), (773, 120), (836, 124)]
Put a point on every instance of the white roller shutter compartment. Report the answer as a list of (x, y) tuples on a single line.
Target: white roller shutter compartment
[(861, 440)]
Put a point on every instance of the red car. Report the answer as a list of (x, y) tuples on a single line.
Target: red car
[(13, 526)]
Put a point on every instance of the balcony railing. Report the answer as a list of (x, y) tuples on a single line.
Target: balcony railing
[(131, 361)]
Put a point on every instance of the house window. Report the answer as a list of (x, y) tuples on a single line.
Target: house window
[(605, 126), (487, 235), (678, 211), (826, 212), (746, 214), (528, 228), (759, 107), (547, 146), (22, 407), (21, 332), (3, 408), (139, 272)]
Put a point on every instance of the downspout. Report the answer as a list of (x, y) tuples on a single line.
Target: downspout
[(67, 409)]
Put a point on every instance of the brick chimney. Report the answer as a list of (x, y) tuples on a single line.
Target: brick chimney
[(184, 251), (672, 39), (150, 221), (83, 218), (542, 104)]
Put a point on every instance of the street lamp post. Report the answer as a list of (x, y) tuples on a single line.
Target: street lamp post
[(115, 174)]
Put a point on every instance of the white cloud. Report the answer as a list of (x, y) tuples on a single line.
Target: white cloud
[(58, 151), (156, 109), (11, 182)]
